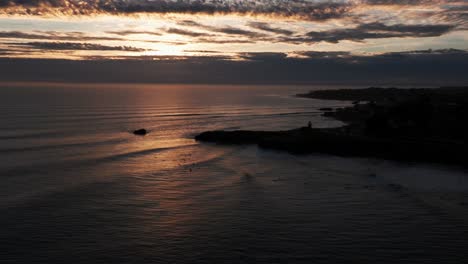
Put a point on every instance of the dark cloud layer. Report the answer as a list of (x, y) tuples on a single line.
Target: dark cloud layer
[(372, 31), (324, 54), (229, 30), (426, 18), (375, 30), (310, 10), (261, 32), (75, 46), (53, 35), (133, 32), (397, 2), (239, 32), (185, 32), (217, 35), (266, 27), (432, 67), (451, 12)]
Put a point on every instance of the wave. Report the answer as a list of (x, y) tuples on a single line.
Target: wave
[(66, 164), (33, 135), (137, 153), (60, 146)]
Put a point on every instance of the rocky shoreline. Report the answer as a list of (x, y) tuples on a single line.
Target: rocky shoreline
[(399, 124)]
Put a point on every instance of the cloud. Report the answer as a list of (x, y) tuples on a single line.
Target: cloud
[(451, 12), (189, 23), (6, 52), (75, 46), (372, 31), (263, 56), (225, 41), (309, 10), (397, 2), (361, 32), (228, 30), (204, 51), (324, 54), (365, 19), (225, 35), (238, 32), (133, 32), (185, 32), (424, 53), (80, 36), (54, 35), (431, 67), (158, 58), (266, 27)]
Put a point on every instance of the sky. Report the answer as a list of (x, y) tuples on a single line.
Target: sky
[(258, 41)]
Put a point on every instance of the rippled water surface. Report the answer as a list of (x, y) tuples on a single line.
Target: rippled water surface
[(76, 186)]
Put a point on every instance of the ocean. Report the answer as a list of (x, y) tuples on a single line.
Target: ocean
[(76, 186)]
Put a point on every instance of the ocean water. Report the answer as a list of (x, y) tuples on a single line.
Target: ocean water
[(76, 186)]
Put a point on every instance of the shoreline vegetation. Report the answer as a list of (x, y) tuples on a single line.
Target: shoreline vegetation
[(421, 124)]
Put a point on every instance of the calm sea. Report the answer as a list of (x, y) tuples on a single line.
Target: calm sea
[(76, 186)]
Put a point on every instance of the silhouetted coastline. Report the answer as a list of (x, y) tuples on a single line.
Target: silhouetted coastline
[(400, 124)]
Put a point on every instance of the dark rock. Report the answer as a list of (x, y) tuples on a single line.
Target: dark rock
[(326, 109), (140, 132), (248, 176)]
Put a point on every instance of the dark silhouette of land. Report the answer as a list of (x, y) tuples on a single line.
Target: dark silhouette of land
[(140, 132), (402, 124)]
